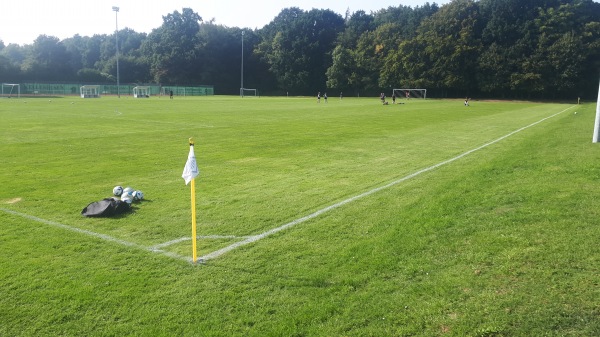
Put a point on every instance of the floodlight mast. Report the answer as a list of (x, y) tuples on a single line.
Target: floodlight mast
[(116, 10)]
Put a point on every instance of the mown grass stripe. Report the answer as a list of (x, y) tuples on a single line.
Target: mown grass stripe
[(263, 235)]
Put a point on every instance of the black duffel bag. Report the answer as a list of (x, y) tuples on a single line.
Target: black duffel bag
[(106, 207)]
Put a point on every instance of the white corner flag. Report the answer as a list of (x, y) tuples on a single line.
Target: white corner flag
[(190, 171)]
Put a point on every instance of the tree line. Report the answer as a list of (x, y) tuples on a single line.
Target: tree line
[(547, 49)]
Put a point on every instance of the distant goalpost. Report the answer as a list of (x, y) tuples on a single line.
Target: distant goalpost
[(248, 92), (89, 91), (8, 90), (411, 93), (141, 92), (596, 136)]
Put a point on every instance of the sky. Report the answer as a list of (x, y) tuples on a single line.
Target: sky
[(22, 22)]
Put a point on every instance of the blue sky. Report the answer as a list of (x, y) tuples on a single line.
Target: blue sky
[(22, 22)]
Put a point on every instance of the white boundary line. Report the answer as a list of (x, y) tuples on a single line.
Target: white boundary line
[(254, 238), (95, 235)]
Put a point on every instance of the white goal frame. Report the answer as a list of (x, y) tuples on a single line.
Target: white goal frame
[(249, 92), (410, 93), (596, 136), (10, 93), (141, 92), (89, 91)]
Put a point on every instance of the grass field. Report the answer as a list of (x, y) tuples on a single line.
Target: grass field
[(342, 219)]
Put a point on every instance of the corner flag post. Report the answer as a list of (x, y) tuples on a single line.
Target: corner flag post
[(193, 199), (190, 172)]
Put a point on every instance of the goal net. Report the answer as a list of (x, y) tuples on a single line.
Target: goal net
[(248, 92), (10, 90), (411, 93)]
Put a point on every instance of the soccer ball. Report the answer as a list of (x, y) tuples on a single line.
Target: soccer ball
[(138, 195), (126, 198), (128, 191), (118, 190)]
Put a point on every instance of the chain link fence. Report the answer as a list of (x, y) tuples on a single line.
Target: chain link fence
[(73, 89)]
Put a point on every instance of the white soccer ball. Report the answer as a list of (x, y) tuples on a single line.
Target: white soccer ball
[(118, 190), (128, 191), (138, 195), (126, 198)]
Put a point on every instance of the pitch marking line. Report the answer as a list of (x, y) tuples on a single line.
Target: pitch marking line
[(96, 235), (187, 238), (258, 237)]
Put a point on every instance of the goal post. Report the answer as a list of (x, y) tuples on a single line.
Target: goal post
[(89, 91), (410, 93), (248, 92), (141, 92), (10, 90), (596, 136)]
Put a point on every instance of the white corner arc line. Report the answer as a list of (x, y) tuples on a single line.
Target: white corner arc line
[(188, 238), (255, 238), (168, 243)]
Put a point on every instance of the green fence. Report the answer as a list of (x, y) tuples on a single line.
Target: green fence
[(68, 89), (203, 90)]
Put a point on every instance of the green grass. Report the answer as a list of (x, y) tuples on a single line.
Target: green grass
[(501, 242)]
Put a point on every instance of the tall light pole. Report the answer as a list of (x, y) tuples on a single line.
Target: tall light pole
[(242, 81), (116, 9)]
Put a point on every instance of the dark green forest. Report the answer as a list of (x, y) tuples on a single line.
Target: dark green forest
[(523, 49)]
